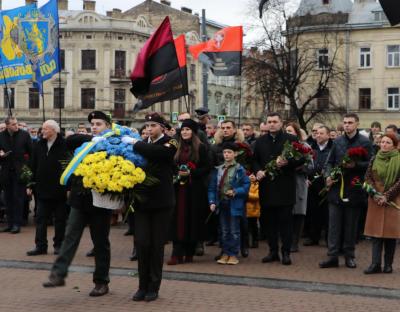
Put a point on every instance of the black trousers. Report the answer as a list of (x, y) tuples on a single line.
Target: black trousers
[(278, 223), (180, 249), (317, 215), (343, 226), (151, 231), (45, 209), (253, 228), (377, 246), (14, 194), (99, 221)]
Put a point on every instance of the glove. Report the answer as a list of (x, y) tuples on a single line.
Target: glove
[(128, 140), (97, 139)]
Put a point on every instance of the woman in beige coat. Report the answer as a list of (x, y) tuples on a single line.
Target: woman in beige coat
[(383, 218)]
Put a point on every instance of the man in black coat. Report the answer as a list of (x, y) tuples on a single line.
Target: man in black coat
[(152, 217), (345, 207), (317, 207), (15, 151), (277, 196), (47, 166)]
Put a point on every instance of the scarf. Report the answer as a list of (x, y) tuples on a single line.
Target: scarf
[(387, 166)]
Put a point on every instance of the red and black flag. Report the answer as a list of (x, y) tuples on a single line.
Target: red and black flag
[(160, 71), (392, 10), (223, 54)]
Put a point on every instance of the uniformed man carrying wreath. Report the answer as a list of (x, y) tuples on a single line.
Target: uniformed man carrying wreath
[(152, 217)]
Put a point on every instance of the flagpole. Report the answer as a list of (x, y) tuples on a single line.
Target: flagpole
[(5, 82), (59, 79), (43, 110), (240, 99)]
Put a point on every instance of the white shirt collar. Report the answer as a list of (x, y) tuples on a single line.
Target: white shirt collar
[(159, 138)]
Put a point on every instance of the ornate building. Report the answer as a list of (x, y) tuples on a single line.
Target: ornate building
[(98, 53)]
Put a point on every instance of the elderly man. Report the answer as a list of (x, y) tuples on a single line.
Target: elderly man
[(15, 151), (47, 158)]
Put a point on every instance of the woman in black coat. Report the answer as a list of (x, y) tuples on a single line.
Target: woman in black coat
[(191, 194)]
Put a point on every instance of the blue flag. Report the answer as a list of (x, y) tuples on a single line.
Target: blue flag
[(13, 63), (33, 37)]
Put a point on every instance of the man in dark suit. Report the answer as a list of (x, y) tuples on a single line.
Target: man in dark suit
[(278, 195), (15, 151), (152, 217), (48, 154)]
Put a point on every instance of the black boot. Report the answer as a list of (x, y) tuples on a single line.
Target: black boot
[(271, 257), (373, 268), (286, 259), (133, 257), (332, 262)]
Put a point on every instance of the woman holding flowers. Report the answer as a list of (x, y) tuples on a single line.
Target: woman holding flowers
[(383, 217), (191, 194)]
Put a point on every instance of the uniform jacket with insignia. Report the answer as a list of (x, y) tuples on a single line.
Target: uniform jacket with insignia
[(160, 157)]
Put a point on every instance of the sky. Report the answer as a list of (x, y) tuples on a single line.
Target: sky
[(232, 14)]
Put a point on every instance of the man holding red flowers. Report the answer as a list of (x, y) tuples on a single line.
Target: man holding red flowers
[(350, 155)]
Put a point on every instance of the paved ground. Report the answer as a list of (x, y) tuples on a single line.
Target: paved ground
[(201, 286)]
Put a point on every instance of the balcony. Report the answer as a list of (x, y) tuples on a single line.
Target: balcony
[(119, 75), (119, 111)]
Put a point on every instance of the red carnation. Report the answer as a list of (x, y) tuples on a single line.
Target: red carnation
[(26, 156), (191, 165), (356, 181)]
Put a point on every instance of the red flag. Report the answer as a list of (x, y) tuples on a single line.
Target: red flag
[(223, 53), (170, 85), (157, 57)]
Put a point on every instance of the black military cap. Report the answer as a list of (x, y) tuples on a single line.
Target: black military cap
[(155, 117), (191, 124), (99, 115), (230, 146), (201, 111)]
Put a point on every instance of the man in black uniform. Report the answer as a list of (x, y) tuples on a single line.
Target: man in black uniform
[(153, 215), (82, 213)]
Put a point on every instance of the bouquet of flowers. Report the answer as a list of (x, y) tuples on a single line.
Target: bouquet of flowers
[(354, 154), (182, 179), (26, 173), (112, 170), (291, 150), (371, 191)]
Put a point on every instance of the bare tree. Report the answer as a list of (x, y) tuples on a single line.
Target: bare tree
[(296, 60)]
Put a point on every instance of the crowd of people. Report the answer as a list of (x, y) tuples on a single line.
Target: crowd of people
[(218, 184)]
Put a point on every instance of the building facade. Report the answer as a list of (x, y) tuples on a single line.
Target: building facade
[(98, 53), (369, 52)]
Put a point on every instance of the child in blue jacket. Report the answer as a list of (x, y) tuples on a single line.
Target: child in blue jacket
[(227, 194)]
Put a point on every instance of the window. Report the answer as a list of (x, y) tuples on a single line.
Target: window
[(323, 59), (192, 72), (120, 62), (11, 97), (365, 57), (325, 2), (119, 99), (62, 59), (88, 98), (58, 100), (393, 56), (33, 98), (393, 98), (323, 100), (88, 59), (380, 16), (364, 98)]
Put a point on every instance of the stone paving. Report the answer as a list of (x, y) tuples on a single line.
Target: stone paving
[(200, 286)]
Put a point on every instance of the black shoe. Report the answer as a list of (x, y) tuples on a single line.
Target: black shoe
[(15, 229), (90, 253), (139, 295), (133, 257), (99, 290), (350, 263), (310, 242), (332, 262), (36, 252), (271, 257), (151, 296), (373, 268), (387, 268), (56, 250), (217, 257), (54, 281), (7, 229), (244, 252), (286, 259)]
